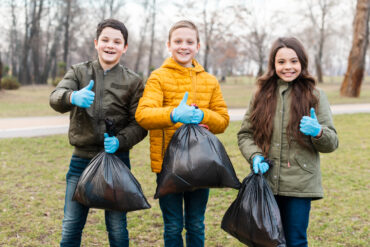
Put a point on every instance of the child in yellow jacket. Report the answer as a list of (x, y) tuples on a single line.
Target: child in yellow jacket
[(166, 104)]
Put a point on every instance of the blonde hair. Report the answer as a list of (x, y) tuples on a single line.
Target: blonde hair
[(182, 24)]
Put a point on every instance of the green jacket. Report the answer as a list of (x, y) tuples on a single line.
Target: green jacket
[(302, 177), (117, 93)]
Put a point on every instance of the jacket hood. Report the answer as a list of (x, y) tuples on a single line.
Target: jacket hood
[(170, 63)]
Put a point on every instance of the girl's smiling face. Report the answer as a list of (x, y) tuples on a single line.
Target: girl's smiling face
[(183, 46), (287, 64)]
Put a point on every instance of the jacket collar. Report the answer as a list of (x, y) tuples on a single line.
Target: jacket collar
[(283, 85), (97, 65), (170, 63)]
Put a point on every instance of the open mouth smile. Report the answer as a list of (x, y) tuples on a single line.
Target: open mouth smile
[(110, 52)]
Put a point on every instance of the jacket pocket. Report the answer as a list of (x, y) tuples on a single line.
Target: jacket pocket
[(307, 161)]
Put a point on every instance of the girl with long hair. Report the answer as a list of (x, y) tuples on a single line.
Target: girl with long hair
[(289, 122)]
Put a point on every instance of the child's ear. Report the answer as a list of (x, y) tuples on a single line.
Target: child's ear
[(125, 48), (198, 46), (95, 43), (169, 47)]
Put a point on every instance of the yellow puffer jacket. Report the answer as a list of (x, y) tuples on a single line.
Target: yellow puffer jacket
[(163, 92)]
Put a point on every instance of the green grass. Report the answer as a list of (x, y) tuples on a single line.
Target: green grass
[(26, 101), (34, 100), (32, 184)]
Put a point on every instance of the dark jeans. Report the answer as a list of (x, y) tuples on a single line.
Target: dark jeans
[(75, 215), (195, 203), (295, 213)]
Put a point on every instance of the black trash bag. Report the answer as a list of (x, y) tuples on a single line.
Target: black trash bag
[(194, 159), (254, 217), (107, 183)]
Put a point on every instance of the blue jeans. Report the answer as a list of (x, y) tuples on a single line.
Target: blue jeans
[(75, 215), (295, 213), (195, 203)]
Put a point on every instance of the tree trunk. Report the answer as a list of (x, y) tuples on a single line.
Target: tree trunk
[(36, 41), (351, 85), (142, 39), (24, 73), (66, 31), (150, 67), (1, 71), (318, 66), (14, 43), (208, 29)]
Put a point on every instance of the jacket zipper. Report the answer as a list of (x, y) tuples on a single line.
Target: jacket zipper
[(194, 86), (163, 142)]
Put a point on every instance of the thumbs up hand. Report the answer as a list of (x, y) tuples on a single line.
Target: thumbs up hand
[(183, 113), (309, 125), (84, 97)]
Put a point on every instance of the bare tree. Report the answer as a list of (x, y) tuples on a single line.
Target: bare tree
[(213, 21), (51, 54), (351, 85), (152, 35), (142, 37), (67, 22), (36, 39), (31, 42), (319, 20), (1, 71), (14, 44), (209, 27)]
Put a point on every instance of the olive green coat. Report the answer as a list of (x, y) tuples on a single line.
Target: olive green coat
[(117, 93), (296, 171)]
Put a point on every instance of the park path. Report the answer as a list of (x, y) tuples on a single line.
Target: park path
[(51, 125)]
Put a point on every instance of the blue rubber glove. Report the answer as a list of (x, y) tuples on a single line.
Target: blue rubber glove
[(198, 116), (111, 143), (84, 97), (183, 113), (259, 165), (309, 125)]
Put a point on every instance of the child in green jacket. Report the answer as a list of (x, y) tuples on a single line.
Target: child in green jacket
[(289, 122), (93, 91)]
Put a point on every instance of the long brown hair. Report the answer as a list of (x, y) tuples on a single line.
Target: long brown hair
[(264, 106)]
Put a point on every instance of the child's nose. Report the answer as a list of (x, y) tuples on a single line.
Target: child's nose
[(288, 65)]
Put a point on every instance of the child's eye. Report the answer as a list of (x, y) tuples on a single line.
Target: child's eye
[(177, 41), (190, 42)]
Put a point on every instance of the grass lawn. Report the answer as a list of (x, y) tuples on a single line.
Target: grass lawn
[(34, 100), (32, 188)]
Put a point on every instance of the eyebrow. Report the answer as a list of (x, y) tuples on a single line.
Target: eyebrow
[(107, 37)]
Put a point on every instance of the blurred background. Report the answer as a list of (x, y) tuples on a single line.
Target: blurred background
[(42, 38)]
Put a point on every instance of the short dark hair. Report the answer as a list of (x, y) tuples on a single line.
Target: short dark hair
[(115, 24)]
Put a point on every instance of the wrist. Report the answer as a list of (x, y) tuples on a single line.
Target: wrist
[(71, 99), (172, 118), (319, 134)]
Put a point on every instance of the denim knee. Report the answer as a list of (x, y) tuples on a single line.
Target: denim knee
[(116, 225), (75, 215)]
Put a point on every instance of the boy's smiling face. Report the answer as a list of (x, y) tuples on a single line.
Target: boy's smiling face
[(110, 47), (183, 46)]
